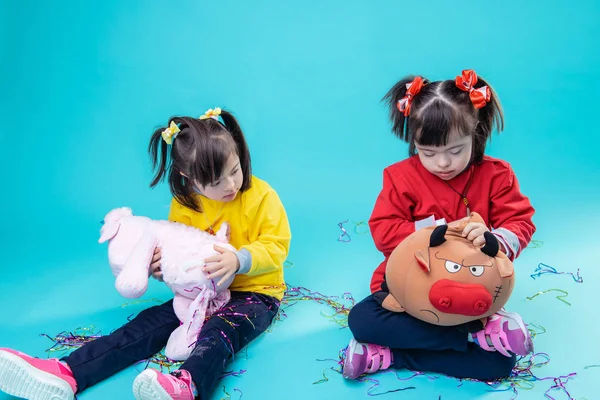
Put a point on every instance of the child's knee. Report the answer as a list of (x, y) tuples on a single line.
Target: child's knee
[(358, 319), (352, 319)]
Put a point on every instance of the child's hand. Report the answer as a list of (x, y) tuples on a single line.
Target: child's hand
[(225, 265), (474, 232), (155, 265)]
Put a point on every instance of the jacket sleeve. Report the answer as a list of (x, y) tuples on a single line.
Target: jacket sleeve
[(269, 235), (391, 221), (511, 215)]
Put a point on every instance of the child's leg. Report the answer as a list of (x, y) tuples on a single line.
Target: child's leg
[(220, 338), (142, 337), (38, 379), (369, 322), (377, 330), (240, 321), (475, 363), (402, 340)]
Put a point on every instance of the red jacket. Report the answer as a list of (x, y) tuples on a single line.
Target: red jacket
[(411, 193)]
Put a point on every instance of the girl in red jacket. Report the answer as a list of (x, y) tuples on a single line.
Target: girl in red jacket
[(446, 124)]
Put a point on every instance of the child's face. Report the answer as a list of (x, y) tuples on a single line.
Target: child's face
[(446, 162), (228, 185)]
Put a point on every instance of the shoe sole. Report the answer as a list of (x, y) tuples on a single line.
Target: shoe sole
[(146, 387), (21, 379)]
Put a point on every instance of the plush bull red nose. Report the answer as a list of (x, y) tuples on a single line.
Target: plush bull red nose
[(460, 298)]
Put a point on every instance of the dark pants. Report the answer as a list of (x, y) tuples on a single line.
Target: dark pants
[(250, 314), (420, 346)]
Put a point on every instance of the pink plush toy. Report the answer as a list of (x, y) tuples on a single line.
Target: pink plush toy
[(131, 244)]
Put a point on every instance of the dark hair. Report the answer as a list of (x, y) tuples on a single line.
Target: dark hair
[(440, 109), (199, 152)]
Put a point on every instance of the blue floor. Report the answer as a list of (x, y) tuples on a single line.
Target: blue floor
[(83, 87)]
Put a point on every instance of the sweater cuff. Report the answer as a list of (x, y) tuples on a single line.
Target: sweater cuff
[(509, 240), (245, 259)]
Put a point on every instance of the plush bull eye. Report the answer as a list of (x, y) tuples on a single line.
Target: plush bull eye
[(452, 267), (476, 270)]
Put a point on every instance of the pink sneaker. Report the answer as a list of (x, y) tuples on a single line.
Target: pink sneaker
[(505, 332), (364, 358), (153, 385), (35, 378)]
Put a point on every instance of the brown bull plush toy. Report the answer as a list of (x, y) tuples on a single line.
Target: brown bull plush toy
[(440, 277)]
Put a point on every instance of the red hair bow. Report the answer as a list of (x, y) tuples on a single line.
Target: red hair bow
[(412, 89), (479, 97)]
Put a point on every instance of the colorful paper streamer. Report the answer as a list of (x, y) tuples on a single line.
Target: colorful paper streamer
[(535, 244), (543, 269), (339, 311), (361, 227), (561, 297), (344, 237)]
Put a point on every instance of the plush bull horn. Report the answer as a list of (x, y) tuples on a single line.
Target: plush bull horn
[(492, 246), (437, 236)]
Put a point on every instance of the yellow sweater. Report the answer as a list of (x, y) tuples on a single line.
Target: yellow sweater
[(258, 224)]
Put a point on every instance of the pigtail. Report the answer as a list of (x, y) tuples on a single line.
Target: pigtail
[(164, 165), (491, 116), (397, 118), (181, 158), (399, 100), (478, 99), (157, 149), (233, 127)]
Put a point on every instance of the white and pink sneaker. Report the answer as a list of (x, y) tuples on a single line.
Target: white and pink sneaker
[(365, 358), (154, 385), (505, 332), (35, 378)]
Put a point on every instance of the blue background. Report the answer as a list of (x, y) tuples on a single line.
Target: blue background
[(83, 85)]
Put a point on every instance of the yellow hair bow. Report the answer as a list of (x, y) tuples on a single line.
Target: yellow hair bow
[(211, 114), (170, 133)]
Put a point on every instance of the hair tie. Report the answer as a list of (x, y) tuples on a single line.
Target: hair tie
[(412, 89), (170, 133), (214, 114), (480, 96)]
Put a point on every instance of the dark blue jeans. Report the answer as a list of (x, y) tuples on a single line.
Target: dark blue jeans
[(420, 346), (148, 333)]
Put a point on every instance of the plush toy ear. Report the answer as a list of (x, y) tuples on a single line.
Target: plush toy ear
[(108, 231), (112, 221), (390, 303), (422, 257), (506, 269)]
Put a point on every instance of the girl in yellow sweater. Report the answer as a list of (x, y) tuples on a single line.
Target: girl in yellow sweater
[(207, 164)]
